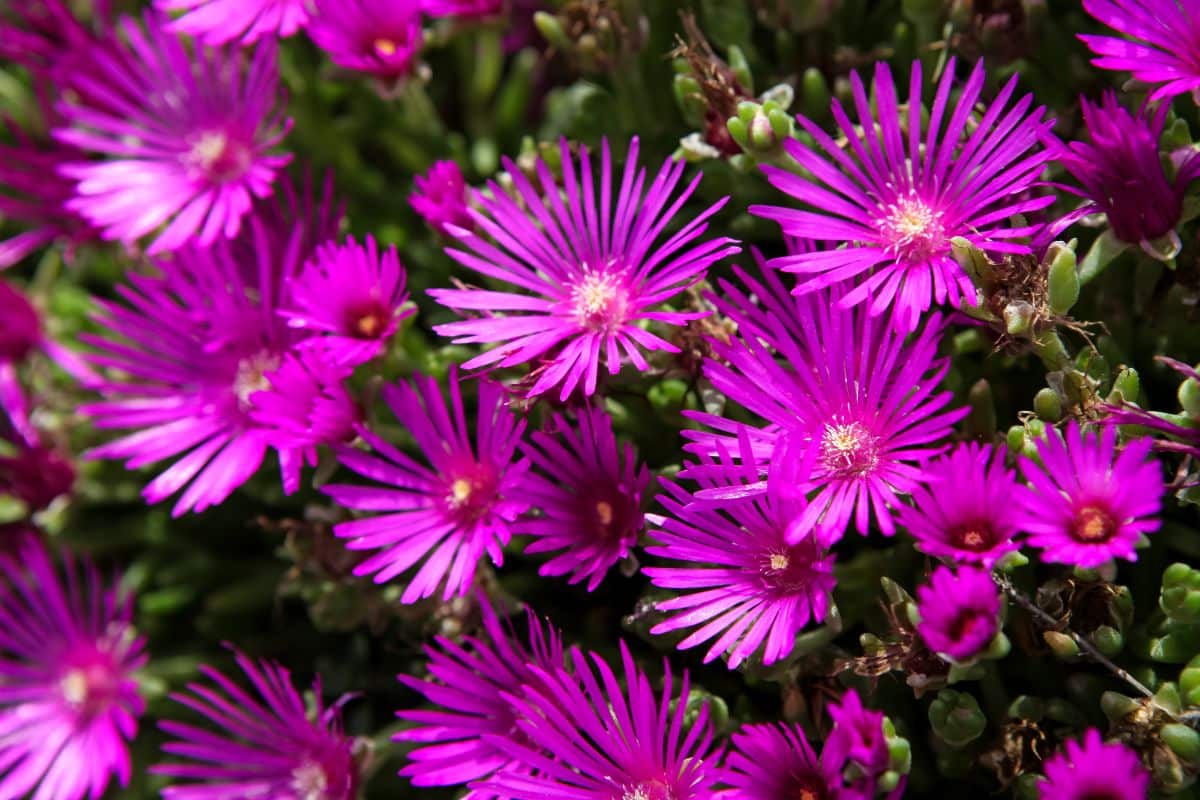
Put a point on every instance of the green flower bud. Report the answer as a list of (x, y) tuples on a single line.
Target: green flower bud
[(1183, 741), (781, 122), (689, 99), (1015, 439), (739, 131), (1061, 645), (762, 133), (815, 98), (956, 717), (1108, 640), (667, 395), (899, 754), (1018, 318), (740, 67), (1189, 398), (1126, 387), (551, 29), (981, 421), (1063, 279), (1048, 404), (1117, 706)]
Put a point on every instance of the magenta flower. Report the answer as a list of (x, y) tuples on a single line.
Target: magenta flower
[(960, 612), (191, 346), (304, 404), (352, 293), (1087, 503), (20, 325), (187, 138), (897, 198), (467, 686), (463, 9), (246, 21), (850, 402), (267, 744), (585, 275), (69, 702), (30, 470), (967, 508), (857, 740), (1120, 172), (441, 198), (768, 762), (380, 37), (749, 577), (1165, 51), (589, 492), (587, 739), (1094, 769), (449, 512)]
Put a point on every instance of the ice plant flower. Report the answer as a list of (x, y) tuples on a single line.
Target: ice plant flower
[(467, 684), (379, 37), (960, 611), (767, 762), (857, 740), (69, 701), (246, 21), (1087, 503), (850, 402), (305, 403), (1165, 51), (30, 470), (266, 743), (897, 198), (586, 274), (1092, 769), (352, 293), (1121, 174), (966, 509), (585, 738), (192, 344), (751, 582), (187, 138), (448, 512), (589, 492), (441, 197)]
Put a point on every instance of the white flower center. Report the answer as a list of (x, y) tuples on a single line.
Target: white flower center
[(251, 375), (848, 449), (309, 782), (912, 229), (219, 157), (600, 301)]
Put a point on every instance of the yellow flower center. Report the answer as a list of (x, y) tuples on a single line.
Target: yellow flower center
[(848, 449), (600, 301)]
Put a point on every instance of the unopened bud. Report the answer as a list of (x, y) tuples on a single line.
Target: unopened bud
[(1062, 645), (1048, 405), (1018, 318), (1063, 279)]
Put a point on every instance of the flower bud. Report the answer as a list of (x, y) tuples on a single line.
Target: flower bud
[(1189, 397), (1180, 595), (1189, 682), (1048, 405), (1062, 645), (815, 98), (1126, 387), (1108, 640), (1018, 318), (1063, 278)]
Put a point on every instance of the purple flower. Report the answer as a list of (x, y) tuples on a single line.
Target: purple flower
[(587, 739), (857, 739), (191, 346), (1084, 507), (1094, 769), (589, 492), (897, 198), (441, 198), (30, 471), (960, 612), (381, 37), (354, 294), (586, 275), (463, 9), (967, 507), (305, 404), (246, 21), (467, 686), (850, 402), (1120, 172), (69, 703), (20, 326), (449, 512), (1166, 47), (267, 744), (769, 762), (187, 138), (749, 577)]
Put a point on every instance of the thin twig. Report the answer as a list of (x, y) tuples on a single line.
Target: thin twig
[(1046, 619)]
